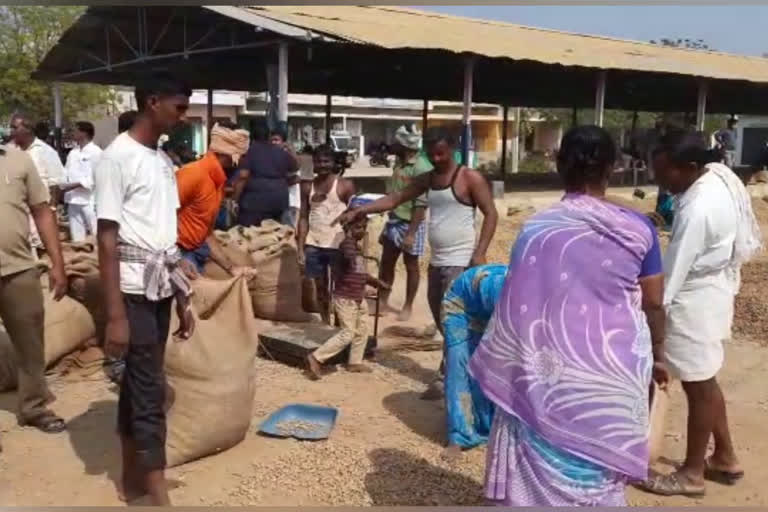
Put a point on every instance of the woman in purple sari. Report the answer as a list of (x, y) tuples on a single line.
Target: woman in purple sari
[(575, 339)]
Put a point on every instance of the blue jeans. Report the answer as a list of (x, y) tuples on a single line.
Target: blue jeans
[(198, 256)]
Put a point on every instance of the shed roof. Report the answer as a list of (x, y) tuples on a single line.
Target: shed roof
[(379, 51), (401, 28)]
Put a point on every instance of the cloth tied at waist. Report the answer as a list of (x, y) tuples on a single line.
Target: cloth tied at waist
[(162, 275)]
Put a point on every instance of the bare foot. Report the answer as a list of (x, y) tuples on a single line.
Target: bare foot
[(404, 315), (314, 369), (358, 368), (386, 309), (130, 489), (452, 453)]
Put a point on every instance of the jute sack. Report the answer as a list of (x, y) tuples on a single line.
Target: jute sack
[(68, 327), (212, 375), (658, 416), (8, 370), (235, 248), (277, 287), (760, 177)]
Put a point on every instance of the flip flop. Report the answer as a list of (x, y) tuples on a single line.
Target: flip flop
[(721, 476), (672, 485), (48, 423)]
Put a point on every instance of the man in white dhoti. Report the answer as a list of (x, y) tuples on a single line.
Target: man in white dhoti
[(713, 235)]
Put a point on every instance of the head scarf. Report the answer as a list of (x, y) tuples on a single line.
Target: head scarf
[(409, 139), (229, 142)]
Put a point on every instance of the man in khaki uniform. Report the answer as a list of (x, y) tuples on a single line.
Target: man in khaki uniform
[(21, 298)]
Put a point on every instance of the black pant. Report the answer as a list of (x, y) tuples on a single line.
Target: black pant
[(141, 407)]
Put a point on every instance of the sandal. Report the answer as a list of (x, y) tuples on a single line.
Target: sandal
[(48, 423), (672, 485), (721, 476)]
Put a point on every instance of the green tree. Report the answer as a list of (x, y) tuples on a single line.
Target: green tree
[(27, 33)]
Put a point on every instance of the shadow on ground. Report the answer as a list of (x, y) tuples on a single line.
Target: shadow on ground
[(405, 366), (426, 418), (94, 440), (401, 479)]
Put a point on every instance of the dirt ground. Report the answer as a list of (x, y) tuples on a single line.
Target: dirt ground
[(385, 449)]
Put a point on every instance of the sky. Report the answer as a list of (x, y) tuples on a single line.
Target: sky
[(733, 29)]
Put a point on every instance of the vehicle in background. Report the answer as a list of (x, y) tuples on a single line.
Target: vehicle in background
[(379, 156)]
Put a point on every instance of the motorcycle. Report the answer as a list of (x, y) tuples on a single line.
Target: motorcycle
[(379, 157)]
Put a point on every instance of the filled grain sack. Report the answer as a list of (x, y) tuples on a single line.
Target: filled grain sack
[(760, 177), (235, 248), (68, 327), (270, 249), (81, 265), (277, 287), (211, 376)]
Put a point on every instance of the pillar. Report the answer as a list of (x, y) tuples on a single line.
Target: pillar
[(209, 117), (701, 105), (466, 119), (504, 130), (328, 126), (282, 83), (57, 116), (516, 142), (600, 98)]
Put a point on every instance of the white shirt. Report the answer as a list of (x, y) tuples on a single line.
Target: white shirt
[(294, 196), (702, 240), (47, 162), (79, 169), (136, 187)]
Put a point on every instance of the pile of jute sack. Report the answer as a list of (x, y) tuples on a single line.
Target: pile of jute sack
[(211, 375)]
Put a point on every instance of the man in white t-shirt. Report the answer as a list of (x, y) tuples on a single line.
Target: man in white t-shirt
[(136, 203), (78, 182)]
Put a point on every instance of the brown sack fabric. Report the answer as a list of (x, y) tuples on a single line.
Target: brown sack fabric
[(276, 289), (212, 375), (271, 250), (68, 326)]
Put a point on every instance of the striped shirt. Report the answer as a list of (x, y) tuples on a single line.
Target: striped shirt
[(351, 275)]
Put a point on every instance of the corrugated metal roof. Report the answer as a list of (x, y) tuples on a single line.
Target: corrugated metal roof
[(400, 28)]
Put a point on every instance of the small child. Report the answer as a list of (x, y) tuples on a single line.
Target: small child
[(349, 304)]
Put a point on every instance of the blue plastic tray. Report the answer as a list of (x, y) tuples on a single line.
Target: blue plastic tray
[(323, 417)]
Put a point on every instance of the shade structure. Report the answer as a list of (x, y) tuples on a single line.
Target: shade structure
[(374, 51)]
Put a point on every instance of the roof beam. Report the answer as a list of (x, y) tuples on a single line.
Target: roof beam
[(260, 21)]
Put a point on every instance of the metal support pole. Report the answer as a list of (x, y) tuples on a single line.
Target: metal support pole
[(425, 116), (466, 120), (209, 117), (282, 83), (574, 117), (328, 106), (600, 98), (504, 125), (701, 105), (57, 117), (516, 142)]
